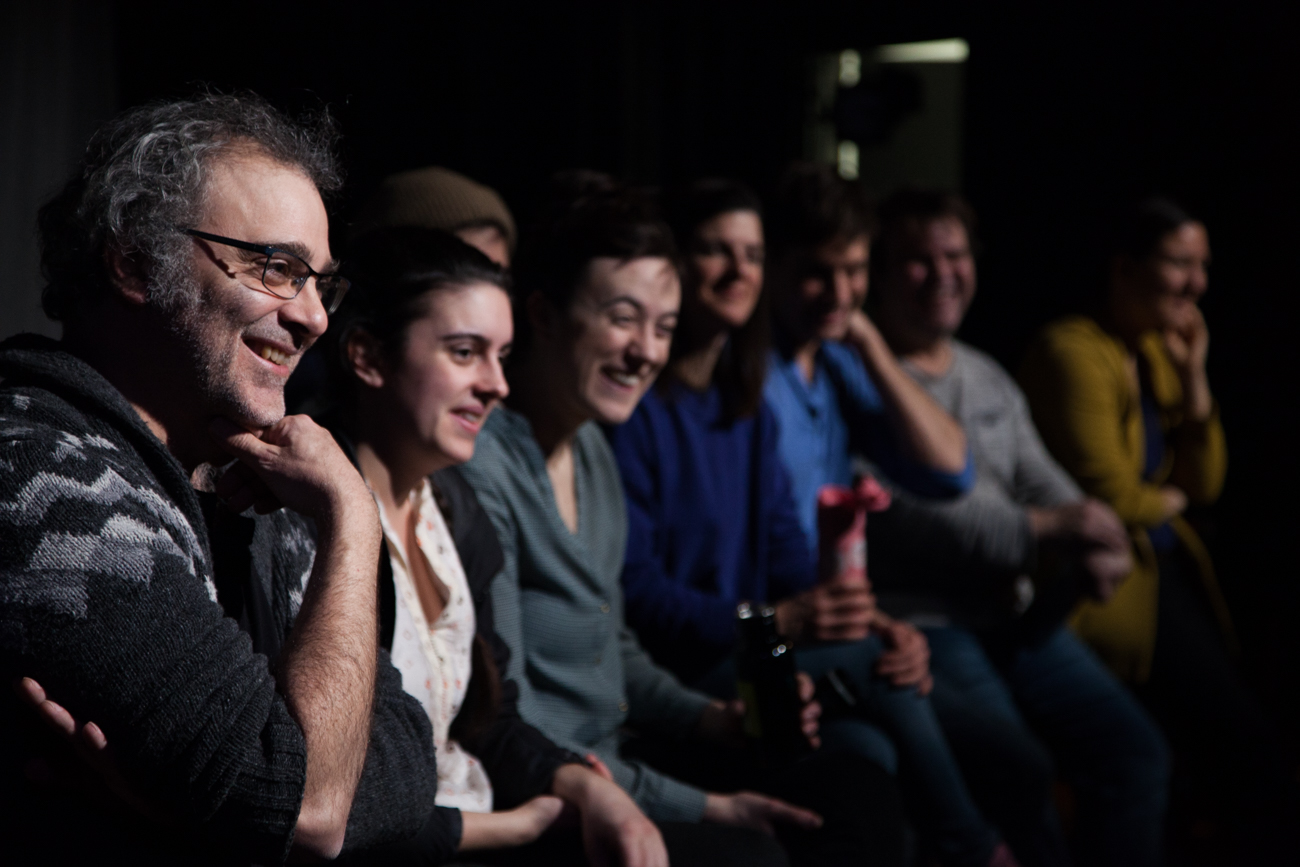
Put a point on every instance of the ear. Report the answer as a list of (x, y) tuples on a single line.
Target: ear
[(364, 356), (126, 276)]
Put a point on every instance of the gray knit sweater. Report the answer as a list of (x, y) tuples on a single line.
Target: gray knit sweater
[(108, 597), (945, 558)]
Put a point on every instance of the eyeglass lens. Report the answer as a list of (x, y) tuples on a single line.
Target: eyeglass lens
[(284, 275)]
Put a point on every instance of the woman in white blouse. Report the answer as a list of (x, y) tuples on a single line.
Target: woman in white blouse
[(421, 340)]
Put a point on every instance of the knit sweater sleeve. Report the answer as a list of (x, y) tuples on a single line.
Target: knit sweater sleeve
[(106, 599), (399, 780), (979, 532), (791, 561), (1199, 451), (1039, 479)]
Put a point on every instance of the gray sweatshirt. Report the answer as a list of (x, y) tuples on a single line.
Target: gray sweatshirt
[(940, 559)]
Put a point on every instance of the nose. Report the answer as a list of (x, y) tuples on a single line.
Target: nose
[(305, 314), (941, 270), (1199, 279), (735, 260), (492, 384), (842, 285), (647, 348)]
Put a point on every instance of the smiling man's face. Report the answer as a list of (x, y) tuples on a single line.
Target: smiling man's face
[(241, 341), (930, 281)]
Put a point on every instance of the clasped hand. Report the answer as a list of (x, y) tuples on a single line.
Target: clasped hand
[(843, 610), (1091, 531)]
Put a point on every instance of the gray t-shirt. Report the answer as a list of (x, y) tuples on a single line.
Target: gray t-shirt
[(934, 558)]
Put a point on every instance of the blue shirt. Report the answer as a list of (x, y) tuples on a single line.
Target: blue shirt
[(839, 413), (711, 522)]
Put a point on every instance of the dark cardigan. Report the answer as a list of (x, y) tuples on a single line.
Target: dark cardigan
[(109, 590), (519, 760)]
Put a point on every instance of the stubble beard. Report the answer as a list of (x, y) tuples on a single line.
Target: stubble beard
[(209, 365)]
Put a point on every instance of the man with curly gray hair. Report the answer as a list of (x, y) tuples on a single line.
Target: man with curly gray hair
[(188, 260)]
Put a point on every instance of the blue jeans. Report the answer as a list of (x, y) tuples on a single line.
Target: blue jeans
[(932, 784), (1104, 744)]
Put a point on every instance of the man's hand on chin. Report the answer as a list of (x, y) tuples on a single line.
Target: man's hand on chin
[(294, 463)]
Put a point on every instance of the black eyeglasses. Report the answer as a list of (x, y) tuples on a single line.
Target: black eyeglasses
[(284, 274)]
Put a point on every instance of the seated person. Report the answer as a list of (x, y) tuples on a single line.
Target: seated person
[(422, 346), (602, 296), (954, 564), (712, 522), (832, 382), (1123, 402), (188, 260)]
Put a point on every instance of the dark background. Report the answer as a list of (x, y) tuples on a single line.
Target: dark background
[(1069, 109)]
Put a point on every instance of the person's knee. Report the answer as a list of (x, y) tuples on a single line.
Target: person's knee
[(859, 802), (1151, 760), (1030, 767), (748, 848), (1139, 763), (862, 739)]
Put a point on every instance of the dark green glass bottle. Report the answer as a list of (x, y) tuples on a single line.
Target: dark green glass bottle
[(765, 681)]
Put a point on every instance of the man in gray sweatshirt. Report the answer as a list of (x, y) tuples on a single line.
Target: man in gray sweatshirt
[(968, 569)]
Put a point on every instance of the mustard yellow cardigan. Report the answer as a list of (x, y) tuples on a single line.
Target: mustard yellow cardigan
[(1090, 417)]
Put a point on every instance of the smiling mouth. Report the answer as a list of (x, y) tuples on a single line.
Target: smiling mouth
[(474, 418), (274, 356), (270, 353), (624, 378)]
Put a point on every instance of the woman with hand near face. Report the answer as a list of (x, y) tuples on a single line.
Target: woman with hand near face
[(1123, 402)]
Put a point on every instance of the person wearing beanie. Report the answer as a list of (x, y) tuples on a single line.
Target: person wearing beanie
[(431, 198), (438, 198)]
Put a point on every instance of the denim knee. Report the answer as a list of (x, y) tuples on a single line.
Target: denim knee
[(1149, 761), (860, 738)]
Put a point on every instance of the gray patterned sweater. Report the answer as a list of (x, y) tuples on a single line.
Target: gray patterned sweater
[(109, 597)]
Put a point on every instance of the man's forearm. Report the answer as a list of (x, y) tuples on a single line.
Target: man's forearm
[(931, 436), (327, 671)]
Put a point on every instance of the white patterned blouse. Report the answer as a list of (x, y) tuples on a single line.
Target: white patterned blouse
[(434, 660)]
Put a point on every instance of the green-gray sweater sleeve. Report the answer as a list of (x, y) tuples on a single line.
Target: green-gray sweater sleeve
[(657, 700), (660, 797)]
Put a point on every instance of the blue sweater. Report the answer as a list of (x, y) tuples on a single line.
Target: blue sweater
[(711, 522)]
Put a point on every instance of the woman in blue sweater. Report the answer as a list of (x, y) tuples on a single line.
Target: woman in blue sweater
[(712, 522)]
